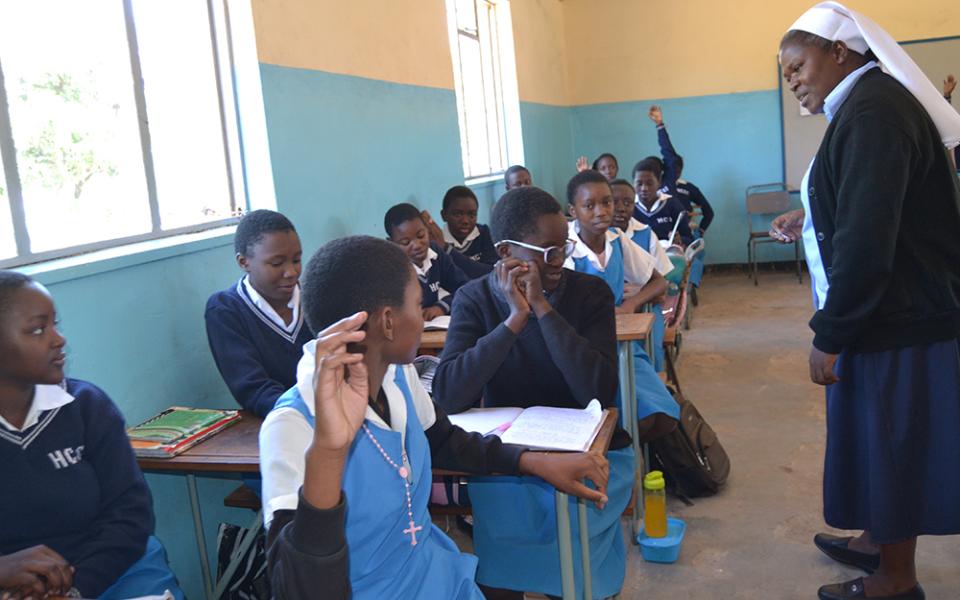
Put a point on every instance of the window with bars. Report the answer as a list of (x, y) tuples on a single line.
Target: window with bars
[(481, 44), (119, 122)]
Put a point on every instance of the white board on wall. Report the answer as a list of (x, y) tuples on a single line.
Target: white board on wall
[(802, 133)]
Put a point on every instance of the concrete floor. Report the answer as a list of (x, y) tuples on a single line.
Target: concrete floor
[(744, 364)]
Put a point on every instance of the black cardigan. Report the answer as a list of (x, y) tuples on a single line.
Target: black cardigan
[(885, 205)]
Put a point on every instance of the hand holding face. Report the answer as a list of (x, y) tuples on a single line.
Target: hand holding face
[(509, 271)]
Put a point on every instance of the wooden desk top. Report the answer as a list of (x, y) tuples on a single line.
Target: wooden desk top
[(601, 443), (236, 449), (630, 327)]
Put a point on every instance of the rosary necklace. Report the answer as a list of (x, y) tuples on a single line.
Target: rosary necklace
[(404, 472)]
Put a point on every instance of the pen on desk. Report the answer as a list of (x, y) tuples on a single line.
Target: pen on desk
[(499, 430)]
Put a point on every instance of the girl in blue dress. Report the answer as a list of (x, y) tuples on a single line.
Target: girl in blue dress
[(359, 428)]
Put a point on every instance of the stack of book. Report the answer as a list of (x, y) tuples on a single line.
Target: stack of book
[(176, 429)]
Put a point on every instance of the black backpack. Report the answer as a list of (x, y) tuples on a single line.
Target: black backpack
[(691, 457)]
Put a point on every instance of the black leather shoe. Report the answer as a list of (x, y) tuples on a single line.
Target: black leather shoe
[(837, 549), (854, 589)]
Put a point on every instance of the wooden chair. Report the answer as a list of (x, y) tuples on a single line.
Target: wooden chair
[(766, 199)]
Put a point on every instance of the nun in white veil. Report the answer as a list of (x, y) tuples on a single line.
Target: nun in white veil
[(881, 231)]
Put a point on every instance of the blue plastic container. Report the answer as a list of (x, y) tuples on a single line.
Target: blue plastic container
[(665, 549)]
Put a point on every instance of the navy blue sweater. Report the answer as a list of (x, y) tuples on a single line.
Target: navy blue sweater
[(480, 248), (690, 196), (664, 219), (71, 482), (443, 274), (256, 358), (565, 359)]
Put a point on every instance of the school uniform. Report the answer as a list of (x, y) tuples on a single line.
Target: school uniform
[(73, 485), (439, 278), (885, 267), (367, 552), (254, 349), (477, 246), (623, 261), (663, 216), (690, 196), (643, 236), (564, 359)]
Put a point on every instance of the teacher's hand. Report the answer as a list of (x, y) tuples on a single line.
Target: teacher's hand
[(821, 367), (788, 227)]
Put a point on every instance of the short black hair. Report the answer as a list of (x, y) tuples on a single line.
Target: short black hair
[(651, 164), (596, 163), (516, 213), (351, 274), (256, 224), (805, 38), (458, 191), (514, 169), (399, 214), (10, 283), (582, 178), (621, 182)]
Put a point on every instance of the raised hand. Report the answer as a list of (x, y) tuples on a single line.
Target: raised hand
[(788, 227), (35, 572), (656, 115), (582, 164), (433, 229), (339, 386), (948, 85), (566, 472)]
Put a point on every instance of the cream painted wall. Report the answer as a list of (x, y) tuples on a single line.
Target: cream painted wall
[(621, 50), (403, 41), (541, 51)]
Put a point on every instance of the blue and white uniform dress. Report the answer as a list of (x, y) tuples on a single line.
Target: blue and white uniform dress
[(643, 236), (891, 419), (384, 563), (626, 262)]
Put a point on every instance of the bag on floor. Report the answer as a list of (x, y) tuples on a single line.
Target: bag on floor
[(691, 456), (250, 581)]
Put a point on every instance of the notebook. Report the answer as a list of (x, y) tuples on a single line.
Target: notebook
[(176, 429), (440, 323), (537, 427)]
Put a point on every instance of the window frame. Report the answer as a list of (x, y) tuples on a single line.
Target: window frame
[(501, 58), (223, 16)]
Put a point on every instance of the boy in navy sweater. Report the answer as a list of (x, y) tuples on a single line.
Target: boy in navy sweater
[(77, 516), (255, 327), (438, 274), (461, 233)]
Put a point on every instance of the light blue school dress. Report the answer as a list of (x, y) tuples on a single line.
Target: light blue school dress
[(383, 562), (641, 237), (696, 267), (652, 395), (150, 575)]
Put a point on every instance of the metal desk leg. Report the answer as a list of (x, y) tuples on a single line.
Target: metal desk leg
[(628, 398), (585, 549), (566, 546), (237, 559), (198, 531)]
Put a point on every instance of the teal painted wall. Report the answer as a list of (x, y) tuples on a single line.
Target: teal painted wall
[(344, 149), (728, 142), (548, 146)]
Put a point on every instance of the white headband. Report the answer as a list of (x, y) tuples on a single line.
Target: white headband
[(837, 23)]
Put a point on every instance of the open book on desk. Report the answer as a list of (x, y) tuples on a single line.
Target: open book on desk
[(441, 323), (537, 427)]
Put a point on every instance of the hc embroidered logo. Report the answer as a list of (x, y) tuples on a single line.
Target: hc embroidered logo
[(435, 286), (62, 459)]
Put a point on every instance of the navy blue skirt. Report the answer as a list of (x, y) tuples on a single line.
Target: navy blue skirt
[(893, 443)]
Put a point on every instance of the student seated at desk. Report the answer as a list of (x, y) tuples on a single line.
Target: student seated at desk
[(659, 210), (643, 236), (535, 334), (461, 233), (439, 275), (255, 327), (610, 255), (606, 164), (359, 428), (517, 176), (76, 517)]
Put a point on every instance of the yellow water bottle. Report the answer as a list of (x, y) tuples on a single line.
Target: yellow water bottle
[(654, 505)]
